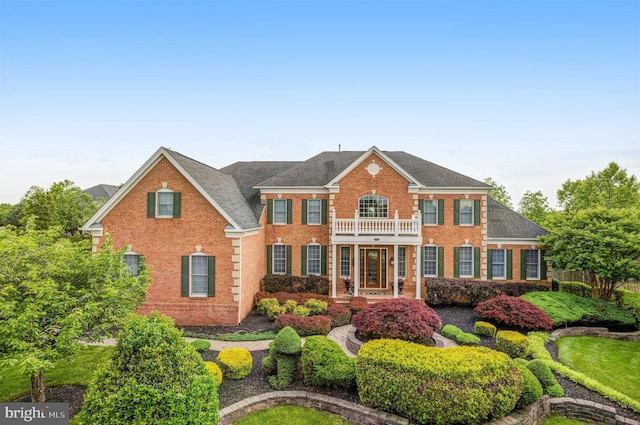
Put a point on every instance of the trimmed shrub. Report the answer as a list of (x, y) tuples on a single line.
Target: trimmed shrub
[(549, 383), (271, 308), (290, 305), (301, 311), (512, 343), (450, 331), (304, 326), (316, 306), (325, 364), (531, 387), (295, 284), (153, 377), (284, 352), (464, 338), (300, 298), (201, 345), (459, 385), (235, 363), (287, 341), (340, 315), (576, 288), (514, 311), (215, 371), (357, 304), (484, 329), (445, 291), (629, 301), (399, 318)]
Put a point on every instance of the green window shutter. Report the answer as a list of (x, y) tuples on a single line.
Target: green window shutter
[(211, 276), (490, 264), (151, 205), (269, 211), (440, 261), (456, 262), (421, 265), (323, 260), (476, 262), (324, 211), (304, 211), (269, 259), (177, 204), (304, 261), (476, 212), (509, 264), (289, 209), (184, 291), (543, 267), (141, 263), (456, 211), (441, 211), (523, 264), (288, 259), (422, 208)]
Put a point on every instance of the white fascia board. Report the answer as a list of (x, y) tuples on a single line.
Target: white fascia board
[(271, 190), (514, 241), (235, 234)]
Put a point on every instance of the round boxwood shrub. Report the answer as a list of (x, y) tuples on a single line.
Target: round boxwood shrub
[(484, 329), (450, 331), (154, 377), (531, 387), (513, 343), (235, 363), (441, 386), (215, 371), (201, 345), (514, 311), (550, 385), (325, 364), (399, 318)]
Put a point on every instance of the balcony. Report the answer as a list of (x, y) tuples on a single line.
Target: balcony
[(358, 226)]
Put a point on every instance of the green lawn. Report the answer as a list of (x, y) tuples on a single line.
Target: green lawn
[(291, 415), (74, 370), (613, 363), (559, 420)]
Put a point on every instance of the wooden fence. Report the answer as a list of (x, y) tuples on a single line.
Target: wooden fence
[(566, 276)]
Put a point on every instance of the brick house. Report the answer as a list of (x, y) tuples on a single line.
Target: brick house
[(384, 221)]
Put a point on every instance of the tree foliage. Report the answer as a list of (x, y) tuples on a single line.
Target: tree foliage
[(499, 193), (535, 207), (54, 291), (609, 188), (603, 243)]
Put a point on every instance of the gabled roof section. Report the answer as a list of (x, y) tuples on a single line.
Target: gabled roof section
[(218, 188), (101, 191), (504, 223)]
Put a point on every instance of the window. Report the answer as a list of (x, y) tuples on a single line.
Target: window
[(279, 259), (466, 212), (466, 261), (401, 261), (314, 211), (132, 263), (498, 264), (198, 275), (345, 262), (279, 211), (164, 204), (532, 263), (313, 259), (373, 206), (430, 212), (430, 260)]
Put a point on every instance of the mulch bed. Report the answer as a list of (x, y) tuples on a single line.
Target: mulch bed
[(257, 381)]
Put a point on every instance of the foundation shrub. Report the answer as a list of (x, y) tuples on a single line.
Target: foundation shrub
[(316, 306), (301, 311), (450, 331), (201, 345), (290, 305), (215, 371), (629, 301), (459, 385), (304, 326), (549, 383), (325, 364), (531, 387), (514, 311), (512, 343), (576, 288), (399, 318), (235, 363), (444, 291), (289, 283), (300, 298), (357, 304), (340, 315), (484, 329), (464, 338)]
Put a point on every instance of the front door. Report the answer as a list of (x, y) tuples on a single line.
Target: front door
[(373, 268)]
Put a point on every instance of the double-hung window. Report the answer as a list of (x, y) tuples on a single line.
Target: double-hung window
[(466, 212), (430, 261), (279, 259), (164, 203), (313, 259), (345, 262), (132, 263), (430, 212), (498, 264), (279, 211), (532, 263), (314, 211), (199, 272), (466, 261), (401, 262), (198, 275)]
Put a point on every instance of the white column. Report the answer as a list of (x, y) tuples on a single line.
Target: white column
[(395, 270), (356, 269), (334, 279), (418, 274)]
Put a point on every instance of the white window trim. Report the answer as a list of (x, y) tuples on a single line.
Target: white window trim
[(309, 201), (460, 261), (424, 260), (435, 223), (402, 274), (273, 258), (504, 264), (538, 274), (319, 260), (191, 293), (286, 218), (158, 215), (360, 199), (466, 201), (348, 260)]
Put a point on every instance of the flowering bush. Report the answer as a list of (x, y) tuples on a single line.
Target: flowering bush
[(399, 318), (514, 311)]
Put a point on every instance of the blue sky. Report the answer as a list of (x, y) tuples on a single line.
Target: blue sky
[(530, 93)]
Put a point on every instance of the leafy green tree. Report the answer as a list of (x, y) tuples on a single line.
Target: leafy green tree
[(499, 193), (603, 243), (609, 188), (154, 377), (38, 208), (54, 291), (535, 207)]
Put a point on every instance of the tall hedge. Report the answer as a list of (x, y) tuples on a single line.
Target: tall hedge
[(458, 385), (445, 291), (154, 377)]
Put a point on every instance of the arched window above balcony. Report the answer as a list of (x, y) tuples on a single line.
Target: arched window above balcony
[(373, 206)]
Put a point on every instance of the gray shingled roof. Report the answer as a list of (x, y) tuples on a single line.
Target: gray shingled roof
[(504, 223), (102, 191), (324, 167), (221, 187)]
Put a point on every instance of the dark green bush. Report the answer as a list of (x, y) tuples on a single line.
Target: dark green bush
[(289, 283), (284, 353), (629, 301), (549, 383), (201, 345), (154, 377), (531, 387), (576, 288), (450, 331), (445, 291), (325, 364), (512, 343), (459, 385), (287, 341)]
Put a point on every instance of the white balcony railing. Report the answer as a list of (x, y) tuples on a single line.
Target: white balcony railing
[(376, 226)]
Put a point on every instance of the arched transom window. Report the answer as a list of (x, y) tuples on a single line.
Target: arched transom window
[(373, 206)]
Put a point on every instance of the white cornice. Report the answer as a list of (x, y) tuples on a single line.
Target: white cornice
[(264, 190), (512, 241)]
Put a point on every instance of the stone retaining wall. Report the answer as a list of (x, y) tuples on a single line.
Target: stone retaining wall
[(601, 332)]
